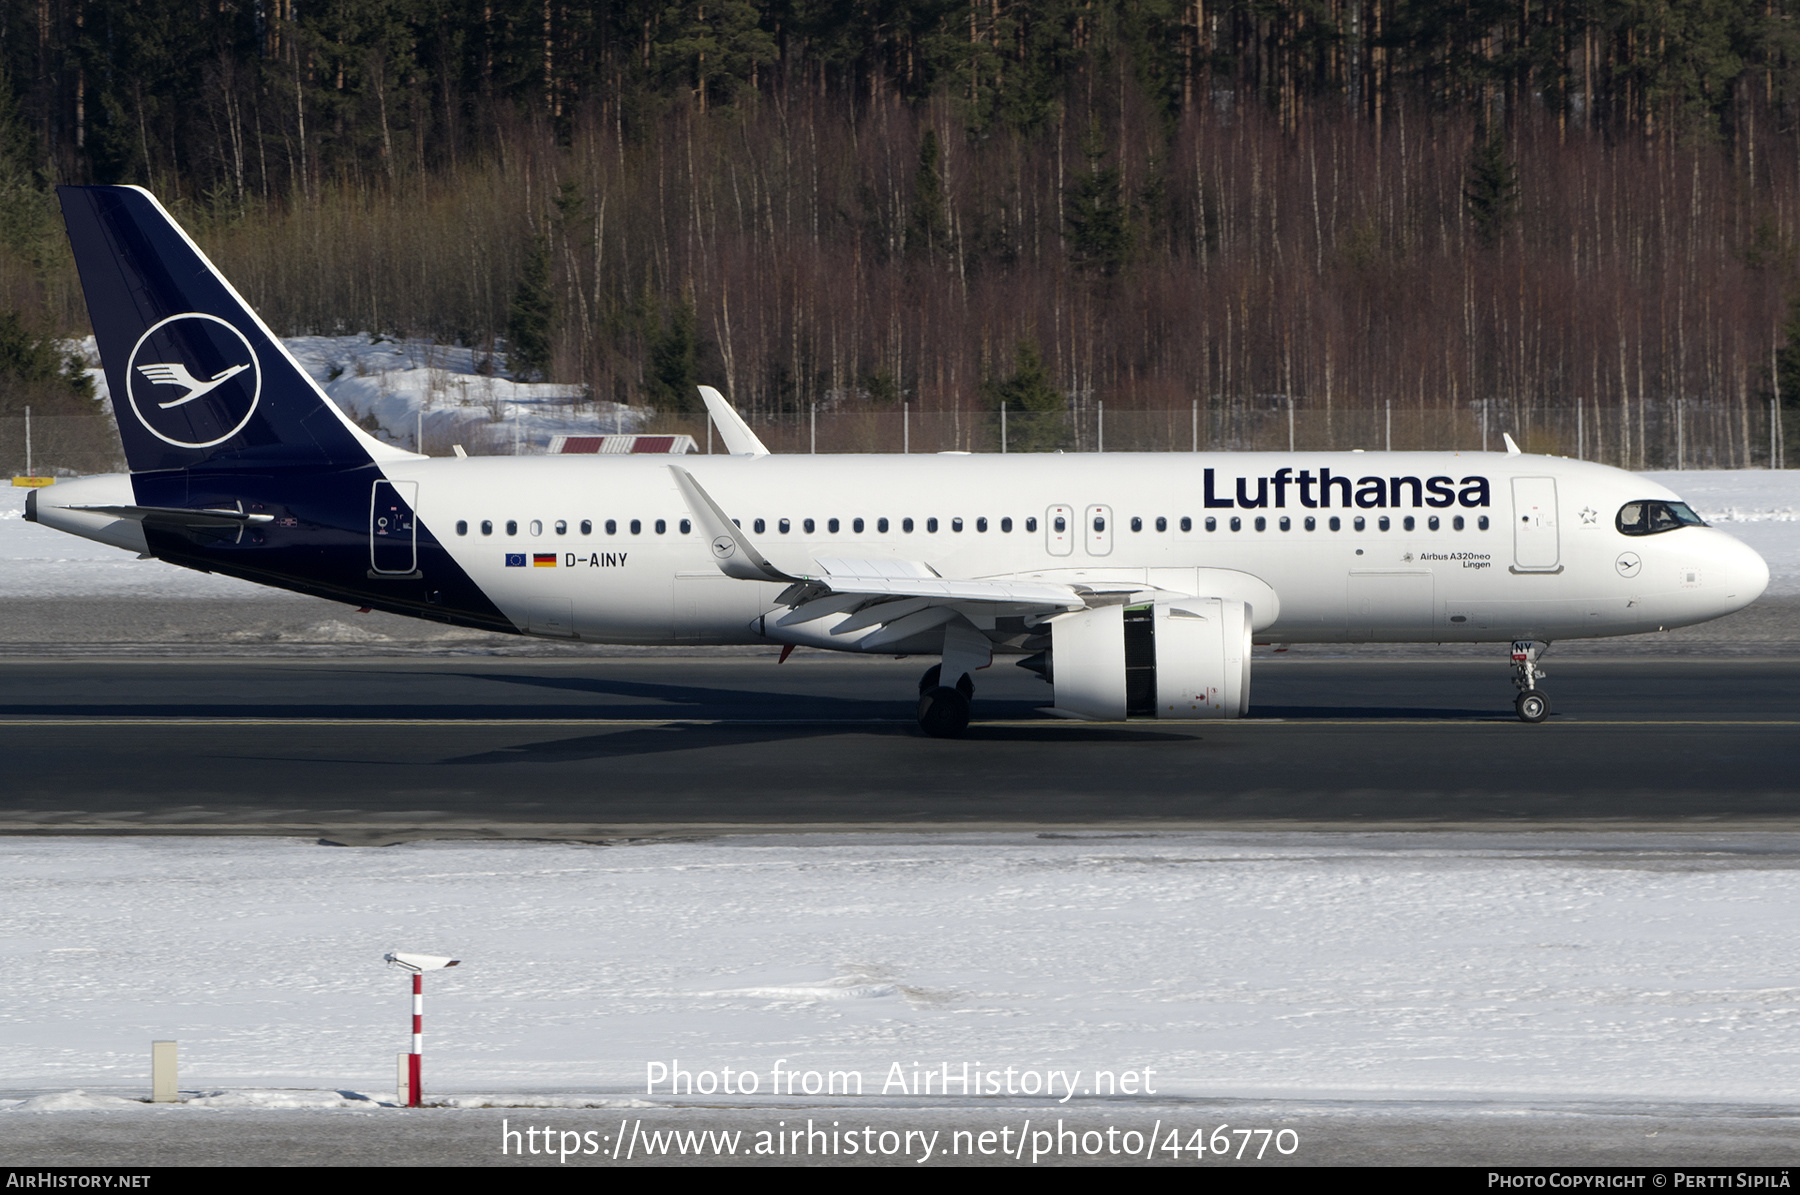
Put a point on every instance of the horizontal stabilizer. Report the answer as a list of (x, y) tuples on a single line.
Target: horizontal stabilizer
[(181, 516)]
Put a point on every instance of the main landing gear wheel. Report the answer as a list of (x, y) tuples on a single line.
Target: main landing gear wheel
[(943, 713), (1531, 706), (929, 681)]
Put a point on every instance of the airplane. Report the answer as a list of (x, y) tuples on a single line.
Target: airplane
[(1133, 583)]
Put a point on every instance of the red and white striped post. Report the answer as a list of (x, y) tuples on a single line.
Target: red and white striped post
[(418, 1050), (418, 964)]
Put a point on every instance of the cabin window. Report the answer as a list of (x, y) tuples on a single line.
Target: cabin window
[(856, 525), (956, 524), (1187, 524), (906, 524), (1137, 524), (662, 527), (686, 526), (512, 526), (1286, 524), (881, 525), (462, 526), (1237, 524), (1099, 522), (1383, 523), (1162, 524), (1006, 524), (562, 526), (1212, 524), (784, 526), (487, 526), (1359, 523), (1431, 522), (1482, 523), (758, 526), (1312, 524), (1456, 523), (831, 525), (587, 526), (612, 526), (931, 524), (1262, 524), (637, 526), (537, 527), (1407, 523), (1061, 524), (981, 523), (1335, 523)]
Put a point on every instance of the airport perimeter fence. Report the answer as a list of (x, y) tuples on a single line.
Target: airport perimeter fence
[(1647, 435), (1650, 435), (60, 445)]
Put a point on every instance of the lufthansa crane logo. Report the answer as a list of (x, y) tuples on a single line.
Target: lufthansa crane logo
[(723, 547), (193, 380)]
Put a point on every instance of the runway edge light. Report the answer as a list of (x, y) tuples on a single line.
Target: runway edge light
[(417, 964)]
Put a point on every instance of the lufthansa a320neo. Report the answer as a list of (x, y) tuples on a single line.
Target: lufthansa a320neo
[(1133, 583)]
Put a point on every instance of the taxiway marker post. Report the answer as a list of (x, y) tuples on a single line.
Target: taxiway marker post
[(418, 1041)]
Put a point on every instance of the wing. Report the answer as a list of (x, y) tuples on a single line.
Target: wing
[(880, 603)]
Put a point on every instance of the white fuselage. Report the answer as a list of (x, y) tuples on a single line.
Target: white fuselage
[(1548, 564)]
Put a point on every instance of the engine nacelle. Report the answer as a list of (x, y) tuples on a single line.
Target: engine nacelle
[(1185, 658)]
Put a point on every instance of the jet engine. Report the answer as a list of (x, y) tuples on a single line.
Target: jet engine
[(1185, 658)]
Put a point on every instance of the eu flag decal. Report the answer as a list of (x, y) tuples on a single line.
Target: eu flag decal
[(515, 560), (543, 560)]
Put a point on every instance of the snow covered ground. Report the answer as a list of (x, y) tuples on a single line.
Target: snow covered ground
[(1551, 967)]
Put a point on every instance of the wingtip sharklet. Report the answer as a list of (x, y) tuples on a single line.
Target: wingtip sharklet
[(739, 439), (732, 550)]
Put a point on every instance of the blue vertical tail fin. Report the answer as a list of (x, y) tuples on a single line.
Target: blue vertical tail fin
[(196, 377)]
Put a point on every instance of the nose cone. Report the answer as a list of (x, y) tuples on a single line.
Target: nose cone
[(1745, 574)]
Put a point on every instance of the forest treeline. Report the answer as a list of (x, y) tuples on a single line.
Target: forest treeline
[(1334, 203)]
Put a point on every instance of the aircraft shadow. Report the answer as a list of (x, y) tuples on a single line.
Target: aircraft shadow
[(652, 740), (1377, 713)]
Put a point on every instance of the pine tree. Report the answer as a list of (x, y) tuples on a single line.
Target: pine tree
[(1490, 187), (928, 230), (1099, 232), (673, 371), (1037, 414), (528, 321), (1787, 359)]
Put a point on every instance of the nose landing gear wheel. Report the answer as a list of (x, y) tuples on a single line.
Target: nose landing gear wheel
[(929, 681), (944, 713), (1531, 706)]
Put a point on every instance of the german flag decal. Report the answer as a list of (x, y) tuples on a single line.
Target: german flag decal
[(543, 560)]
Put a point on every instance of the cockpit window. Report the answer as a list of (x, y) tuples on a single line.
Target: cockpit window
[(1650, 517)]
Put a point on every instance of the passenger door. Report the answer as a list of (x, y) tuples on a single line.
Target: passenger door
[(393, 534), (1536, 546)]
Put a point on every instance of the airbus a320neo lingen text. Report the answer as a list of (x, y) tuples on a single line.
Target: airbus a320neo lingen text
[(1133, 583)]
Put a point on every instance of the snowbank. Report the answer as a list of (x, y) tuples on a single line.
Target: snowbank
[(1292, 965)]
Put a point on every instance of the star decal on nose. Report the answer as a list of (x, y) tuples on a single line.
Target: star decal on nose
[(1589, 514)]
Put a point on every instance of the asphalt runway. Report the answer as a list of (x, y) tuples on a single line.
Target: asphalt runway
[(371, 750)]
